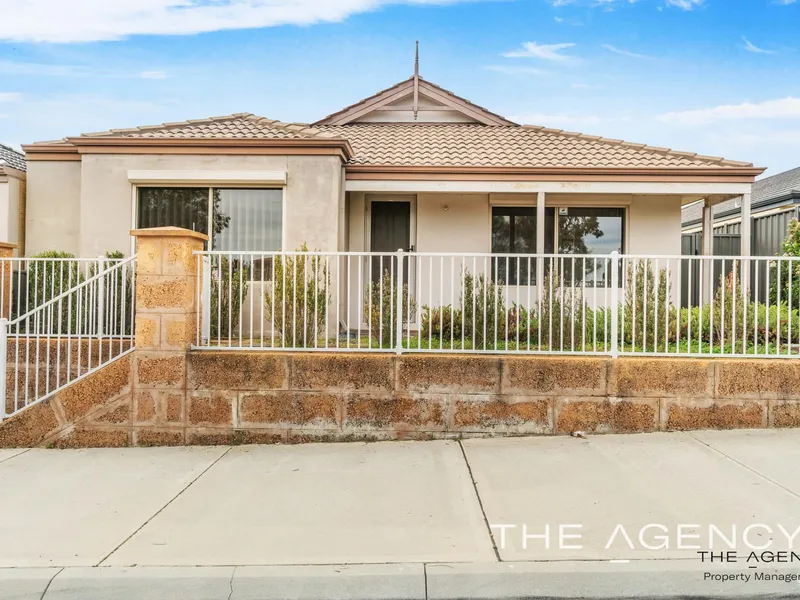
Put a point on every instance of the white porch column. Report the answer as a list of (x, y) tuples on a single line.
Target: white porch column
[(707, 249), (540, 235), (746, 237)]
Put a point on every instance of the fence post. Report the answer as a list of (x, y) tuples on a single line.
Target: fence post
[(398, 316), (101, 294), (3, 359), (615, 304), (7, 279)]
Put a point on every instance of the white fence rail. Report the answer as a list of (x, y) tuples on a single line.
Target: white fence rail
[(69, 333), (497, 303), (30, 282)]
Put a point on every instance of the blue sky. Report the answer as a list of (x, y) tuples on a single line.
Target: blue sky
[(719, 77)]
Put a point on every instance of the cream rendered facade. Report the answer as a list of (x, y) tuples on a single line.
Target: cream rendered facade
[(98, 196)]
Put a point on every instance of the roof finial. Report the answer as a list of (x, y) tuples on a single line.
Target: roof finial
[(416, 80)]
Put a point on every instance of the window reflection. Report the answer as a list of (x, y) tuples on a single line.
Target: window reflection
[(591, 231)]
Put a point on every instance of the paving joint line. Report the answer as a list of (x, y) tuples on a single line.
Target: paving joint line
[(49, 583), (747, 467), (480, 502), (160, 510), (16, 455)]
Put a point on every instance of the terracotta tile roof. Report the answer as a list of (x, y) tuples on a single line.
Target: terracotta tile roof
[(436, 144), (12, 158), (237, 126), (466, 145)]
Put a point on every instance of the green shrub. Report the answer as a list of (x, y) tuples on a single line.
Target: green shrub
[(480, 318), (229, 283), (787, 273), (298, 303), (736, 324), (442, 322), (647, 306), (48, 279), (118, 286), (565, 321), (380, 306)]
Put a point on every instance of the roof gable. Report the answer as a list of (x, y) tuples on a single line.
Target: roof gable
[(396, 105)]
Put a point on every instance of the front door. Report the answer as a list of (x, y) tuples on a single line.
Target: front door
[(390, 231)]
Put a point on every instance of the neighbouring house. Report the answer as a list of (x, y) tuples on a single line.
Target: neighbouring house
[(774, 203), (12, 196)]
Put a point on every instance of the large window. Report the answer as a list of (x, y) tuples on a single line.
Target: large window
[(514, 232), (177, 207), (593, 231), (575, 230), (590, 230), (234, 219)]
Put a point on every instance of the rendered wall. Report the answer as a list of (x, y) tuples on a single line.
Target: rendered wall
[(86, 207), (53, 213)]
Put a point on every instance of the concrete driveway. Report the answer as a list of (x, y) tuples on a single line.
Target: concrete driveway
[(406, 511)]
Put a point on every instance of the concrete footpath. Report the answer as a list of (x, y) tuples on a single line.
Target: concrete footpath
[(607, 517)]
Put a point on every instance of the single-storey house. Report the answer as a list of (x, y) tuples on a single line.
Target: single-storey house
[(412, 167), (775, 201), (12, 196)]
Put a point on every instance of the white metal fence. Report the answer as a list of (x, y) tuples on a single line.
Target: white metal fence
[(497, 303), (30, 282), (83, 321)]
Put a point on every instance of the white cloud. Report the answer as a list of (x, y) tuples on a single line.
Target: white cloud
[(10, 96), (750, 47), (153, 75), (786, 108), (616, 50), (543, 51), (46, 70), (90, 20), (516, 70), (685, 4)]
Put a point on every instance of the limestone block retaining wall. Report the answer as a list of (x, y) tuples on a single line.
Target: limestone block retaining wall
[(93, 411), (262, 397)]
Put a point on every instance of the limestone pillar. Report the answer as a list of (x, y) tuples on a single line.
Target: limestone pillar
[(166, 316)]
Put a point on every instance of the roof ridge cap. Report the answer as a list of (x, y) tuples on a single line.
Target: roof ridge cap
[(164, 125)]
